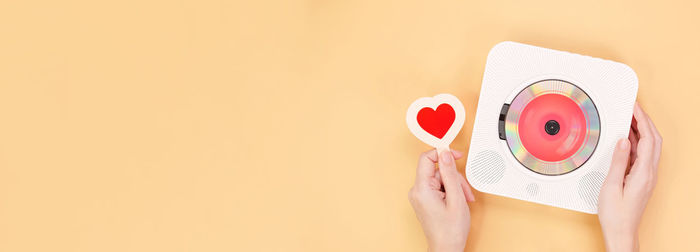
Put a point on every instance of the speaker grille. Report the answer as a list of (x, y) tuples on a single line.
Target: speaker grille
[(589, 187), (488, 167), (532, 189)]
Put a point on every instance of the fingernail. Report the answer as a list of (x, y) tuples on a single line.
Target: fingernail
[(624, 144), (446, 157)]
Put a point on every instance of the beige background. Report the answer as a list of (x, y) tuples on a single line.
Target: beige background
[(279, 125)]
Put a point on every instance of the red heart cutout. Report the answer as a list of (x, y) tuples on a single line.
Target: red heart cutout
[(436, 122)]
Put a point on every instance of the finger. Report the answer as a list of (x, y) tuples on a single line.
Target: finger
[(457, 154), (426, 167), (426, 164), (432, 155), (451, 180), (468, 193), (645, 145), (618, 165), (438, 181), (658, 141), (434, 183), (426, 174), (634, 139), (642, 124)]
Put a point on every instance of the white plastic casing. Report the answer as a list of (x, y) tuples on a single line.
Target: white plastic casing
[(510, 67)]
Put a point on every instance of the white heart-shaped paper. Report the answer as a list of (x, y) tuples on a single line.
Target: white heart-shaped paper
[(433, 103)]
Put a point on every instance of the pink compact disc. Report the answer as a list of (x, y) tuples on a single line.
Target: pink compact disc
[(552, 127)]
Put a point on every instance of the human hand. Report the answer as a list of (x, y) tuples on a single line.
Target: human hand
[(439, 198), (629, 184)]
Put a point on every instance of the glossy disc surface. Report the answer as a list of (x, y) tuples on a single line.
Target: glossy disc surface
[(552, 127)]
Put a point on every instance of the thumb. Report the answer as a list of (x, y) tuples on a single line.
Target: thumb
[(618, 166), (451, 179)]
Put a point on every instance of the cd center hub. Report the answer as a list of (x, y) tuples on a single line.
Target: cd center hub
[(551, 127)]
